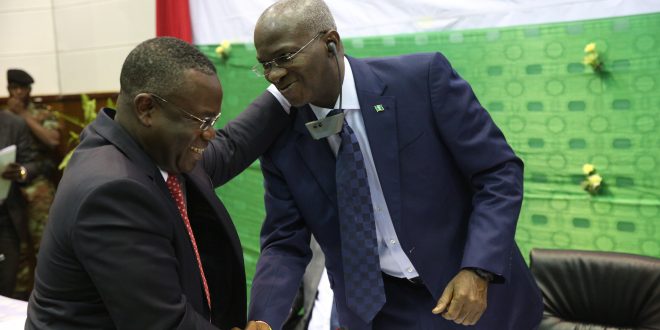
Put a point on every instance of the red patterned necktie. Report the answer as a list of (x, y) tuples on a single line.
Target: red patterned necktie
[(177, 194)]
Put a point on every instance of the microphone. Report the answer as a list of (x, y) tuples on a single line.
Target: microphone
[(322, 128), (332, 47)]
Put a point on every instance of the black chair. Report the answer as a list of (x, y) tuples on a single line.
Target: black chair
[(589, 290)]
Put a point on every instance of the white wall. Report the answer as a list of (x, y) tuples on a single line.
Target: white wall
[(72, 46)]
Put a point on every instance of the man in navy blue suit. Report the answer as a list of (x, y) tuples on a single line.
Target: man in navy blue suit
[(445, 187)]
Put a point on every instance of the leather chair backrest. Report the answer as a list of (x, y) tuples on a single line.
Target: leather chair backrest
[(591, 290)]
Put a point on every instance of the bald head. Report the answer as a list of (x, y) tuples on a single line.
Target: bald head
[(296, 16), (300, 51)]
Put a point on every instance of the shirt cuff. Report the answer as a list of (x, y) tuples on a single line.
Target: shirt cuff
[(280, 98), (484, 274)]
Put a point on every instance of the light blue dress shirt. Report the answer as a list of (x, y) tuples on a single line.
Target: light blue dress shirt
[(393, 260)]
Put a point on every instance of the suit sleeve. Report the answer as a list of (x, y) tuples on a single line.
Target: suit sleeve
[(489, 164), (26, 154), (285, 252), (244, 139), (124, 242)]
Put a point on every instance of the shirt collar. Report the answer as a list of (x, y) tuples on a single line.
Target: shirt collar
[(164, 174)]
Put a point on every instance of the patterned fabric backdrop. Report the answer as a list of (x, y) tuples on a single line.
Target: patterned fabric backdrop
[(555, 112)]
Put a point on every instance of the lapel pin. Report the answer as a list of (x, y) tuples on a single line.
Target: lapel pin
[(379, 107)]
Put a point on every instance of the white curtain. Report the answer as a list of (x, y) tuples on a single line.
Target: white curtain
[(233, 20)]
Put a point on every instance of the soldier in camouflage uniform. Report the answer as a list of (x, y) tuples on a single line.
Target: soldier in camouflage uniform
[(40, 192)]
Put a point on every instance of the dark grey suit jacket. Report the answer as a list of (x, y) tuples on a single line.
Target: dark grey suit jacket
[(14, 131), (116, 254)]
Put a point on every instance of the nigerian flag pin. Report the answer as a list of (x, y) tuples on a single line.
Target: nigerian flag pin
[(379, 107)]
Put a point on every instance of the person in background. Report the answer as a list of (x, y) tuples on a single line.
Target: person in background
[(13, 218), (45, 130), (403, 178), (137, 238)]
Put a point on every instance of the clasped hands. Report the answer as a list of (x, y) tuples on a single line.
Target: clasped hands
[(14, 172), (464, 299), (256, 325)]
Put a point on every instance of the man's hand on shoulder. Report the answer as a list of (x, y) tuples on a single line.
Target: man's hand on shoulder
[(464, 299)]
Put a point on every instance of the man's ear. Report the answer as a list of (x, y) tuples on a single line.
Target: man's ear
[(144, 107), (332, 36)]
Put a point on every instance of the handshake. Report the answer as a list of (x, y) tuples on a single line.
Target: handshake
[(256, 325)]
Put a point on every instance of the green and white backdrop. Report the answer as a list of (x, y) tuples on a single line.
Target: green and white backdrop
[(524, 61)]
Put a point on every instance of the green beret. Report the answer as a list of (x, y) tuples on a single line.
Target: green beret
[(19, 77)]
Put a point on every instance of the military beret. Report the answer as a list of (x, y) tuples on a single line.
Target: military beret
[(19, 77)]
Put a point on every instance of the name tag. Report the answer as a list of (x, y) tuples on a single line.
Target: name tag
[(322, 128)]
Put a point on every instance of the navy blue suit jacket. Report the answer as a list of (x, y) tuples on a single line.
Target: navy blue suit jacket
[(452, 184)]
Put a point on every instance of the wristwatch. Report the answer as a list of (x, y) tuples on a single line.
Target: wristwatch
[(486, 275)]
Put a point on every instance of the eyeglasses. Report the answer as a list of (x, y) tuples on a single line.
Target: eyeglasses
[(207, 122), (263, 68)]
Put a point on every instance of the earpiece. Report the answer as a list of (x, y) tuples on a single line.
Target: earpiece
[(332, 47)]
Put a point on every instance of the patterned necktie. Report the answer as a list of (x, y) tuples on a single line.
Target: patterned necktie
[(365, 294), (175, 189)]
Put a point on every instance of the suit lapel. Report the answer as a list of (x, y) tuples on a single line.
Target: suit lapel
[(316, 154), (202, 183), (381, 132)]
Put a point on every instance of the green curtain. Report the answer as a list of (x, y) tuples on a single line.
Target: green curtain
[(555, 112)]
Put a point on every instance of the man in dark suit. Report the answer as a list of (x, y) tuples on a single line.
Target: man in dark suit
[(13, 221), (430, 190), (137, 238)]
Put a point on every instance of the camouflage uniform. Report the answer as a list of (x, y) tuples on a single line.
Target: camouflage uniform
[(39, 195)]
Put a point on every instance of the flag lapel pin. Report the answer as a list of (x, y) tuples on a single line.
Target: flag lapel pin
[(379, 107)]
